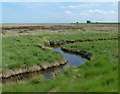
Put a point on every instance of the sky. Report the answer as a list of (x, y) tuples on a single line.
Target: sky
[(59, 12)]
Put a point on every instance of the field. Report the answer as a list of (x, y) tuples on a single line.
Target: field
[(25, 46)]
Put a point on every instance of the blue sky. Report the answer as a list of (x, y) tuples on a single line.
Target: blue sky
[(59, 12)]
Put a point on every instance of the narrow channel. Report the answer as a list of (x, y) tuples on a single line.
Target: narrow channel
[(73, 60)]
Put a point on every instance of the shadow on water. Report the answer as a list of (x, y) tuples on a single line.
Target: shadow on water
[(73, 60)]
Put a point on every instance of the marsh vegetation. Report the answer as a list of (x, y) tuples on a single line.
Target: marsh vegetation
[(25, 46)]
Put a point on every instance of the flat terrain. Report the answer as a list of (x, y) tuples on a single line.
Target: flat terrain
[(24, 47)]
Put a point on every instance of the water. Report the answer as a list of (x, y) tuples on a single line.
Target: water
[(73, 60)]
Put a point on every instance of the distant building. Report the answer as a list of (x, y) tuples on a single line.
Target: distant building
[(88, 21)]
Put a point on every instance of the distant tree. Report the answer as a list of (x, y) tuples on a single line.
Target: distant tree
[(77, 22)]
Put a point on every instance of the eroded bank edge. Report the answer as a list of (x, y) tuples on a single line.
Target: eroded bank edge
[(53, 43)]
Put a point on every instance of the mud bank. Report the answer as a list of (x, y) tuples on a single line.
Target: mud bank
[(52, 43), (32, 69), (82, 53), (53, 27)]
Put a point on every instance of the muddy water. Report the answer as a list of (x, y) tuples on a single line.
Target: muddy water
[(73, 60)]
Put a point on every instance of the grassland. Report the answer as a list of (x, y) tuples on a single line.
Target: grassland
[(97, 75), (25, 47), (41, 29), (27, 52)]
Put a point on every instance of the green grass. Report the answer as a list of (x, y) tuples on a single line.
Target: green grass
[(23, 51), (79, 36), (27, 49), (27, 56), (97, 75)]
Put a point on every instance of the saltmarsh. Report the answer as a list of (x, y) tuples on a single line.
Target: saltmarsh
[(97, 75), (25, 51), (26, 48)]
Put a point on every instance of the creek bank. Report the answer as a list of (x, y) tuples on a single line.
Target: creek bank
[(36, 68), (46, 70), (45, 67), (82, 53), (32, 70), (53, 43)]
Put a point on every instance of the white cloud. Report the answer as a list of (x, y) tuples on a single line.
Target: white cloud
[(115, 4), (68, 12), (80, 6), (94, 11), (97, 11), (84, 13), (112, 12)]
